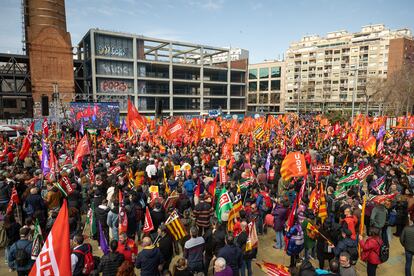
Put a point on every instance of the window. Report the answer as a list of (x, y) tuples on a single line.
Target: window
[(275, 72), (253, 86), (274, 98), (275, 85), (264, 86), (264, 73), (263, 99), (253, 74), (252, 98), (9, 103)]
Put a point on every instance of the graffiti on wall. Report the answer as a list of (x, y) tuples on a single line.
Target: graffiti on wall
[(107, 50), (109, 68), (115, 86)]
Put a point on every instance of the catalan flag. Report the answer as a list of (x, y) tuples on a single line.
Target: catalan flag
[(258, 132), (234, 213), (322, 212), (175, 226)]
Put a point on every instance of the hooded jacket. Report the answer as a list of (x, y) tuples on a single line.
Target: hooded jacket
[(148, 260)]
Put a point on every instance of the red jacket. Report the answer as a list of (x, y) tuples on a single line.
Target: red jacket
[(352, 221), (371, 250)]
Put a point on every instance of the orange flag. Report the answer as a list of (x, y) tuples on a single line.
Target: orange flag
[(293, 165), (370, 146), (210, 130), (54, 258), (234, 138), (351, 139)]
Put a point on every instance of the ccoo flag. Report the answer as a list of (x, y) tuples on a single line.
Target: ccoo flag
[(54, 258)]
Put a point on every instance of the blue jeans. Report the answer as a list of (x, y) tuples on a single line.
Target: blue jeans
[(246, 264), (408, 262), (280, 240)]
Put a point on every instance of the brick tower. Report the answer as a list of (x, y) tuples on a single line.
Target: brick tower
[(49, 48)]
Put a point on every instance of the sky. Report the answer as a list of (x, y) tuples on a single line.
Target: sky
[(265, 28)]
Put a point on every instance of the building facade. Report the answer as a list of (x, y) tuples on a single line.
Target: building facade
[(49, 47), (266, 82), (324, 73), (179, 76)]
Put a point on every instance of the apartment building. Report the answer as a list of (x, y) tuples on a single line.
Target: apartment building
[(180, 76), (266, 87), (322, 73)]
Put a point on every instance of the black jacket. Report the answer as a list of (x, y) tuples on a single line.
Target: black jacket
[(110, 262), (233, 256)]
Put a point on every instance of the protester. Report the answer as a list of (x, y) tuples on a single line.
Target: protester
[(19, 255), (149, 259), (110, 262), (107, 191), (232, 254), (221, 268), (346, 268), (371, 250)]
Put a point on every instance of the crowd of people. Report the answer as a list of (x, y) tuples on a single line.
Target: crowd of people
[(129, 186)]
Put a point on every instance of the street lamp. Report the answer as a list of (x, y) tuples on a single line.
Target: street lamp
[(355, 70)]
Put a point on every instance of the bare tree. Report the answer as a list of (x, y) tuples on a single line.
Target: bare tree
[(399, 90), (373, 91)]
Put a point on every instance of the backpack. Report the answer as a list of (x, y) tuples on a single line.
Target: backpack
[(88, 261), (3, 237), (28, 208), (22, 257), (384, 252), (392, 217), (353, 252)]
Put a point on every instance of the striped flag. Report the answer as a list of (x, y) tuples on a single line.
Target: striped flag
[(252, 240), (274, 269), (258, 132), (322, 212), (234, 212), (175, 226)]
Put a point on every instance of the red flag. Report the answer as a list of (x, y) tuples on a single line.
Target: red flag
[(134, 120), (197, 190), (175, 129), (53, 163), (13, 199), (212, 188), (45, 128), (54, 258), (27, 142), (123, 219), (148, 225), (81, 150)]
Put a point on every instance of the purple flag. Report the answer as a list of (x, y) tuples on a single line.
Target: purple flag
[(267, 165), (45, 159), (381, 133), (124, 126), (378, 185), (81, 128), (102, 240)]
